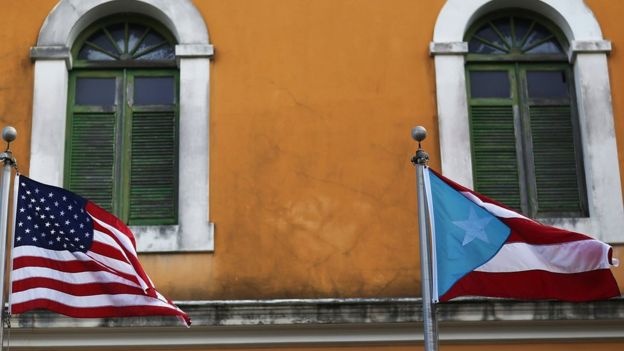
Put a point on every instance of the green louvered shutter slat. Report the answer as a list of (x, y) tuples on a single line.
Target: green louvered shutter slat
[(154, 170), (91, 163), (555, 160), (494, 154)]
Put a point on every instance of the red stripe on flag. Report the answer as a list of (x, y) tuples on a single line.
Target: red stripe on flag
[(531, 232), (108, 251), (108, 218), (118, 225), (63, 266), (68, 266), (75, 289), (121, 247), (532, 285)]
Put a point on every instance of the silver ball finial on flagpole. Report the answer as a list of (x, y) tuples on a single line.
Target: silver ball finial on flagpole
[(419, 133), (8, 134)]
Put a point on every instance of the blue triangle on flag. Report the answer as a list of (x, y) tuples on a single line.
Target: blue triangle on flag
[(465, 235)]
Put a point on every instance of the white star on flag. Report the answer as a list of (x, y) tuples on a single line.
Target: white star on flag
[(474, 227)]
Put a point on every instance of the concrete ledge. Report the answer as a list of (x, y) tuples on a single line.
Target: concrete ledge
[(194, 50), (344, 311), (590, 46), (384, 321), (448, 48), (52, 53)]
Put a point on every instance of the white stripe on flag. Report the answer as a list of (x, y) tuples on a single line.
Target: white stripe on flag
[(107, 239), (571, 257), (66, 256), (492, 208), (122, 237), (112, 263), (35, 251), (71, 278), (104, 238), (88, 301)]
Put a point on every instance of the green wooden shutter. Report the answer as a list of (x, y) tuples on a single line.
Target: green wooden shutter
[(525, 135), (555, 161), (154, 170), (495, 165), (91, 154), (125, 160)]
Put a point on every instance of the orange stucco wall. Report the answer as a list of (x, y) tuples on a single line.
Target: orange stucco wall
[(608, 13), (312, 103)]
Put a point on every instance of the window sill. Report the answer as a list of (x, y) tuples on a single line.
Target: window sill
[(169, 238)]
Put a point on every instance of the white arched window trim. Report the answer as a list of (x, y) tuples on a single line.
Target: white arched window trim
[(588, 54), (53, 60)]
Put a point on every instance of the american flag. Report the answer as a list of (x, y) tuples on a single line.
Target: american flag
[(72, 257)]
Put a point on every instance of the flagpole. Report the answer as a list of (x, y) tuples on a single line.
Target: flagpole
[(8, 134), (420, 160)]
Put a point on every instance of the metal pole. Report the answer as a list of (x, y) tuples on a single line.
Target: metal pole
[(8, 134), (420, 161)]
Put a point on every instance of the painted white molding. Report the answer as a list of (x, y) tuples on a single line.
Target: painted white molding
[(588, 46), (52, 53), (70, 17), (599, 145), (52, 59), (588, 52), (194, 157), (573, 17), (591, 46), (452, 48), (194, 50), (453, 118), (47, 143)]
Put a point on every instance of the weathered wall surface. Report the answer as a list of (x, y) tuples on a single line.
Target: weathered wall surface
[(312, 192), (609, 15), (18, 32), (312, 102)]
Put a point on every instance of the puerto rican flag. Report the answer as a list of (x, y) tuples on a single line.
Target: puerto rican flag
[(482, 248)]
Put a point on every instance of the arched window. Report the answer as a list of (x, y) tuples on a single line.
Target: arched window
[(122, 125), (586, 55), (57, 56), (124, 41), (523, 118)]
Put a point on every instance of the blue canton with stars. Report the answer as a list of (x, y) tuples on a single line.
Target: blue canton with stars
[(51, 218)]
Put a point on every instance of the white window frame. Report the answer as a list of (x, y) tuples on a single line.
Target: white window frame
[(52, 56), (588, 55)]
